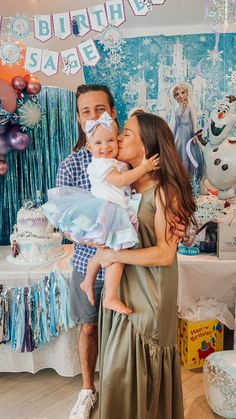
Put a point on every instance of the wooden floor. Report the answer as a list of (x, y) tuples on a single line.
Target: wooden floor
[(47, 395)]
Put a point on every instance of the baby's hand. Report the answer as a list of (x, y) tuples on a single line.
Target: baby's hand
[(152, 163)]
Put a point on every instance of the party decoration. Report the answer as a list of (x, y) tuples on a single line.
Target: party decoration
[(7, 96), (19, 83), (29, 114), (49, 64), (19, 27), (219, 374), (222, 12), (17, 140), (10, 52), (80, 22), (3, 127), (115, 12), (62, 25), (3, 167), (97, 17), (33, 86), (111, 37), (220, 152), (89, 52), (42, 28), (7, 72), (4, 147), (71, 61), (38, 313)]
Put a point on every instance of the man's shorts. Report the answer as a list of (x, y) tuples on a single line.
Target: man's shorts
[(81, 310)]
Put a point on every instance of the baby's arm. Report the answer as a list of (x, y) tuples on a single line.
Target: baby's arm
[(127, 178)]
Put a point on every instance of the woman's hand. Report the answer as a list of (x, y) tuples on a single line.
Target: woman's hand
[(152, 163), (105, 257), (180, 230)]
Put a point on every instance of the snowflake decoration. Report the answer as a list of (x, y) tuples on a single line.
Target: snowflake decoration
[(131, 89), (114, 58), (214, 56), (146, 42), (202, 39), (231, 77)]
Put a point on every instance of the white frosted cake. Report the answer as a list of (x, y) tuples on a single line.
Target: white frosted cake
[(33, 240)]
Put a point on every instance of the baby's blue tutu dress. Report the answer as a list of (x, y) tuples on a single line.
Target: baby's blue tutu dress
[(106, 215)]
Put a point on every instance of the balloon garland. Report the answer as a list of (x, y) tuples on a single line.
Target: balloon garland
[(19, 111)]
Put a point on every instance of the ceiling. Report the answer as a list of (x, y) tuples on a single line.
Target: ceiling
[(173, 13)]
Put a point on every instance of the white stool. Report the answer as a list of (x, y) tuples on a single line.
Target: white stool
[(219, 373)]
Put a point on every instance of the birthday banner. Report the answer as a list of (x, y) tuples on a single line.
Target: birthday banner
[(108, 15)]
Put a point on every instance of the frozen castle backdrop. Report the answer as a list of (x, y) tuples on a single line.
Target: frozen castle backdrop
[(141, 71)]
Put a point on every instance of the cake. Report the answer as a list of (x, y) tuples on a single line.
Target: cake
[(34, 240)]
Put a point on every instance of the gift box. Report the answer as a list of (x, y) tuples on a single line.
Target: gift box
[(226, 243), (197, 340)]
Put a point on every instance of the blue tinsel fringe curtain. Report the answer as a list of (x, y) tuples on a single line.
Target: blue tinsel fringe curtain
[(35, 169)]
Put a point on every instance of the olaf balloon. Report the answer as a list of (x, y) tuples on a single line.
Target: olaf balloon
[(220, 151)]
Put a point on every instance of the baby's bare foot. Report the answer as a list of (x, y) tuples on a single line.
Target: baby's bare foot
[(116, 305), (88, 289)]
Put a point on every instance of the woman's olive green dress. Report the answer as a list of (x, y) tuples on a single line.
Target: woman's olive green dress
[(139, 360)]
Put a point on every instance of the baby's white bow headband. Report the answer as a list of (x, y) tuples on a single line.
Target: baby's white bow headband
[(105, 121)]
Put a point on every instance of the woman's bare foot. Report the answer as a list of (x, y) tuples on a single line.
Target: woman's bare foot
[(116, 305), (88, 289)]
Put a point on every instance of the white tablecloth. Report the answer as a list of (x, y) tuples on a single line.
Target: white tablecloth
[(60, 354), (202, 275), (206, 275)]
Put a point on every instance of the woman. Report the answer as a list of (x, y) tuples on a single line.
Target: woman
[(140, 370), (185, 128)]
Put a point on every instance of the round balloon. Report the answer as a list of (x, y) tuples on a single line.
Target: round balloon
[(19, 83), (7, 96), (17, 140), (3, 167), (3, 127), (33, 86), (4, 146)]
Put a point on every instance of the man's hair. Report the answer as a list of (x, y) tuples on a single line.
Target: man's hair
[(86, 88)]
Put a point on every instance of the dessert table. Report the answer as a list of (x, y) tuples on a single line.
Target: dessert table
[(202, 275)]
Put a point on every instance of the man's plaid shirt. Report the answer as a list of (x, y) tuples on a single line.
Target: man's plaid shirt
[(73, 172)]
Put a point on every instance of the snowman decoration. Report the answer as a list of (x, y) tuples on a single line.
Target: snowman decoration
[(220, 151)]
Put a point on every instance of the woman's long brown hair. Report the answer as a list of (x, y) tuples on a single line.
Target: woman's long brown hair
[(171, 175)]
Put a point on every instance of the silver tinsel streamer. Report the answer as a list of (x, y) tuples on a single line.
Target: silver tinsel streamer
[(35, 168)]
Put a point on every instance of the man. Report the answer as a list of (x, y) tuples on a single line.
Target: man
[(92, 101)]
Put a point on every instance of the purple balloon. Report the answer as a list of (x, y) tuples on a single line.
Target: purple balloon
[(4, 146), (17, 140), (3, 128)]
